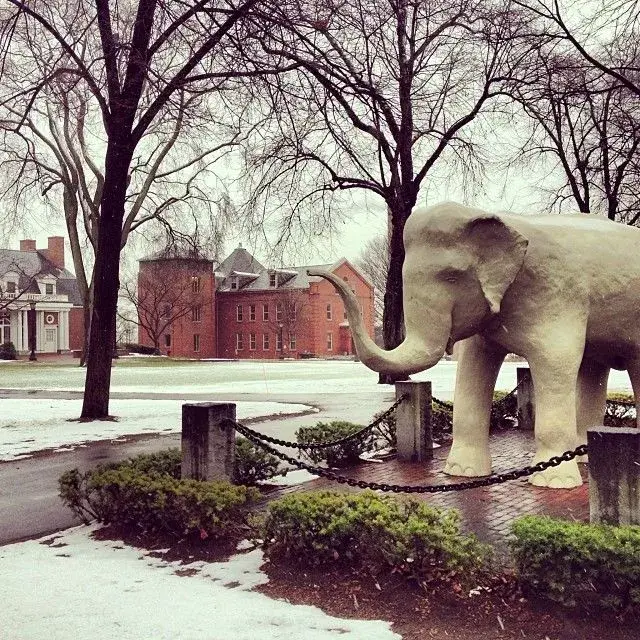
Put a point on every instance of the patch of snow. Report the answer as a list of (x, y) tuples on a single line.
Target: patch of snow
[(112, 591), (27, 426), (297, 476)]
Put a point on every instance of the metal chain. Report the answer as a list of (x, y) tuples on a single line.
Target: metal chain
[(449, 405), (394, 488), (315, 446)]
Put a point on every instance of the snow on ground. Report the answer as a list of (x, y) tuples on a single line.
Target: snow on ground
[(115, 592), (271, 377), (32, 425)]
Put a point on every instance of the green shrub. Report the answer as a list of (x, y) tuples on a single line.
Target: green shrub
[(339, 455), (378, 533), (253, 464), (8, 351), (143, 349), (618, 412), (578, 564), (149, 502)]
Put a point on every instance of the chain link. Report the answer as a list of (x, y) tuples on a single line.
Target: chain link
[(258, 439), (315, 446)]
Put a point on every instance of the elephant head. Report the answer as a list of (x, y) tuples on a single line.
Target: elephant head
[(459, 263)]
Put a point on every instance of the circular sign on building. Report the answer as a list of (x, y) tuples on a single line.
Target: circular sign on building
[(51, 318)]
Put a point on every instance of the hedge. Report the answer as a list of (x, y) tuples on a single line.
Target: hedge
[(578, 564), (378, 533)]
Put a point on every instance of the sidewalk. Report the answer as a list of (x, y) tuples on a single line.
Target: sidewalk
[(486, 511)]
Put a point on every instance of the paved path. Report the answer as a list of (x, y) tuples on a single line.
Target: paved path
[(29, 502)]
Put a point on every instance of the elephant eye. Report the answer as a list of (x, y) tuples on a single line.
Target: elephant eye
[(450, 275)]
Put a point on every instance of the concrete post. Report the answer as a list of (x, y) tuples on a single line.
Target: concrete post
[(614, 475), (208, 445), (526, 399), (413, 422)]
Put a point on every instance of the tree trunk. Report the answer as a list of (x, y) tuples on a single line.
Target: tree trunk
[(393, 317), (106, 282)]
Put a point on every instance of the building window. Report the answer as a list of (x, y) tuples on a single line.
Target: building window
[(279, 311), (292, 341), (167, 339), (166, 310), (239, 313), (239, 342), (272, 280), (48, 289), (196, 314), (265, 342), (329, 312), (345, 314), (196, 342), (329, 341), (265, 312), (293, 312), (252, 342), (279, 341), (252, 312), (234, 282), (5, 328), (11, 287), (196, 284)]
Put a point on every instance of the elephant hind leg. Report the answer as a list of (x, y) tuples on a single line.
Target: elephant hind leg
[(591, 397), (634, 375)]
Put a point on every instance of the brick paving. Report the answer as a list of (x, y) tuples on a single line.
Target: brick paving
[(486, 511)]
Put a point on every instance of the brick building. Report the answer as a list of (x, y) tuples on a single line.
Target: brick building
[(39, 298), (175, 305), (256, 312)]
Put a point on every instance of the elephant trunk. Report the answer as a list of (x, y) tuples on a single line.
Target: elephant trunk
[(413, 355)]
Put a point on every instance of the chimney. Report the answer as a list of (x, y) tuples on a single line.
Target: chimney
[(27, 245), (55, 251)]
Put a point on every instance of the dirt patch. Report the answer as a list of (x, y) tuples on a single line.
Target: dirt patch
[(502, 614)]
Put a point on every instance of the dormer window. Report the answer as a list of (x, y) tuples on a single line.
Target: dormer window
[(234, 282), (273, 280), (48, 289), (11, 287)]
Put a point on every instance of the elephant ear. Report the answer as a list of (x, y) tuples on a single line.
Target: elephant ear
[(500, 251)]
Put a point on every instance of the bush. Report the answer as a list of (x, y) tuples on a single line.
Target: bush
[(619, 413), (340, 455), (253, 464), (157, 503), (502, 417), (378, 533), (578, 564), (8, 351), (142, 349)]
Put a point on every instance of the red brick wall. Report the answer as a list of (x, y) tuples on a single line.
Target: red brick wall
[(179, 272), (311, 327), (76, 328), (323, 294)]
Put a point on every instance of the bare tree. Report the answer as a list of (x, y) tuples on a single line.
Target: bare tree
[(381, 91), (159, 303), (374, 263), (139, 61), (590, 125), (591, 31), (289, 318)]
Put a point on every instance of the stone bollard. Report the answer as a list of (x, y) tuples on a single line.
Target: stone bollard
[(413, 422), (208, 445), (525, 397), (614, 475)]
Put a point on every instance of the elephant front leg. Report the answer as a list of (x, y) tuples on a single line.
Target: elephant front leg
[(478, 366), (555, 428), (592, 398)]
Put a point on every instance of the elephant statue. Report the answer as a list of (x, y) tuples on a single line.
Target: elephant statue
[(562, 291)]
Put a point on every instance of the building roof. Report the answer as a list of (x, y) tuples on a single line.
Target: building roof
[(177, 254), (253, 276), (33, 265)]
